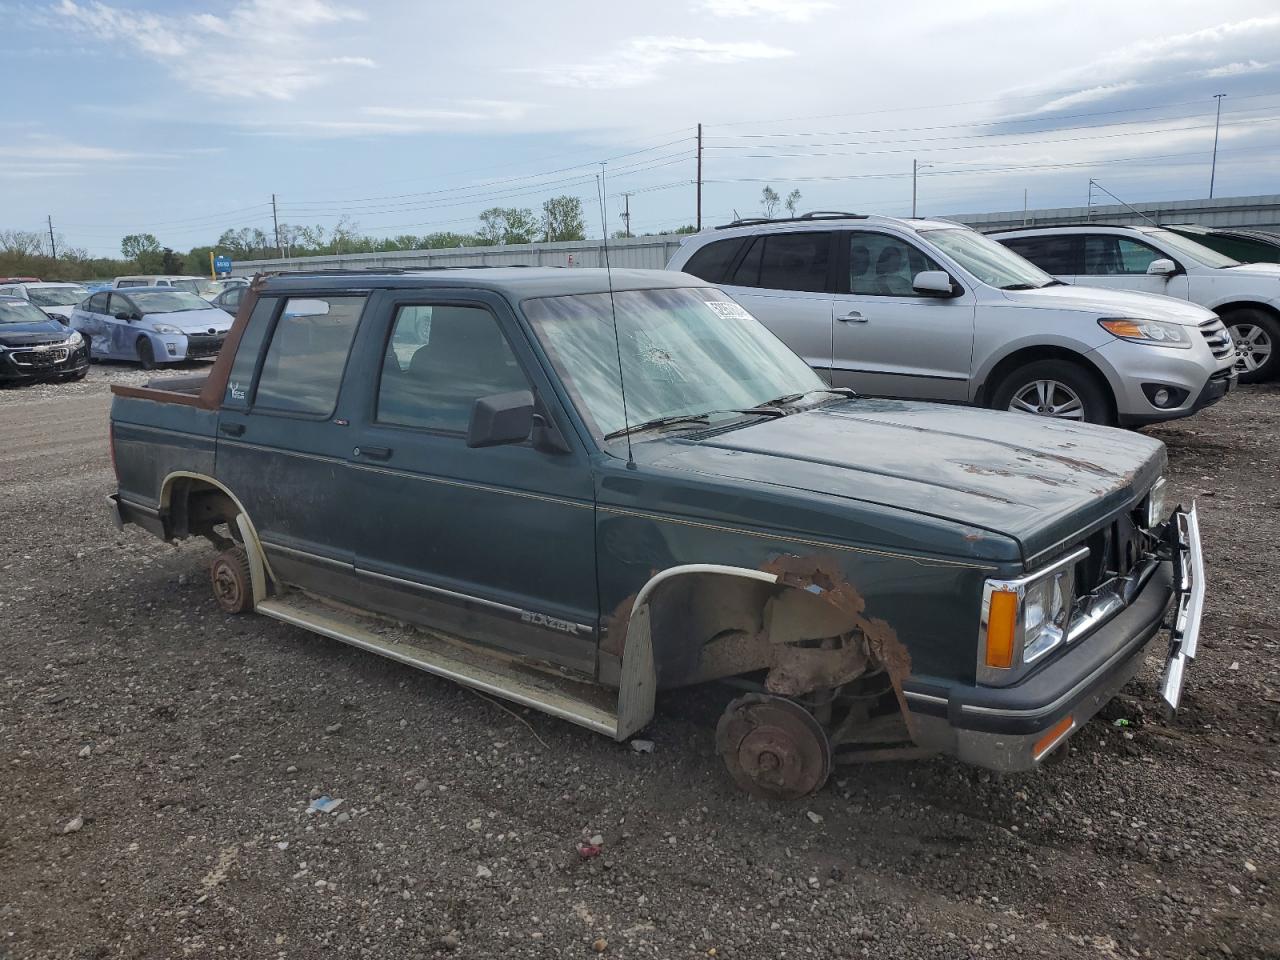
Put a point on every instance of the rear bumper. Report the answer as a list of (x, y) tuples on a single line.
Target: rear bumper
[(1014, 728)]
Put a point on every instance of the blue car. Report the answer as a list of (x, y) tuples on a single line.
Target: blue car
[(150, 325)]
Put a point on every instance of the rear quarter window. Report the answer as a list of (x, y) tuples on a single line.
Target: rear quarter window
[(712, 262)]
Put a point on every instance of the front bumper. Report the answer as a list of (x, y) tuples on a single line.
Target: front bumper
[(1014, 728), (1218, 386), (46, 362), (1195, 376)]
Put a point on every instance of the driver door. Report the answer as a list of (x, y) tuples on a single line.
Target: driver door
[(494, 543), (121, 334)]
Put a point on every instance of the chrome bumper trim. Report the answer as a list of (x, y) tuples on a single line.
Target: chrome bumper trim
[(1190, 587)]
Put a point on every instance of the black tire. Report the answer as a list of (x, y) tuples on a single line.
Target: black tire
[(146, 354), (78, 375), (232, 582), (1250, 329), (1092, 396)]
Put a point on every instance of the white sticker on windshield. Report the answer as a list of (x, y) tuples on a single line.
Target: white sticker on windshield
[(728, 310)]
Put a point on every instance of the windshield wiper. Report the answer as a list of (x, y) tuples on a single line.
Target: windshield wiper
[(1019, 286), (771, 406), (659, 422), (1052, 283)]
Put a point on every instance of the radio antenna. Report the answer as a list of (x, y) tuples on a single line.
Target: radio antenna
[(613, 310)]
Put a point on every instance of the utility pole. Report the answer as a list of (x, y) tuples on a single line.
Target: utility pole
[(915, 169), (626, 212), (276, 220), (699, 218), (1213, 166), (53, 244), (1024, 206)]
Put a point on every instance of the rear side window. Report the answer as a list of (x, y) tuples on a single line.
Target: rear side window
[(97, 303), (241, 380), (796, 261), (712, 262), (1051, 254), (131, 283), (303, 367)]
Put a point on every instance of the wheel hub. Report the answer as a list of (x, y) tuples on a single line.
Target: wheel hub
[(773, 747)]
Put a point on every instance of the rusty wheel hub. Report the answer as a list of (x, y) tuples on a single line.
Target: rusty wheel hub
[(773, 747)]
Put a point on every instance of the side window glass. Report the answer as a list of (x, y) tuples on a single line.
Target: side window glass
[(119, 305), (1050, 254), (712, 262), (748, 272), (1106, 255), (881, 265), (308, 353), (439, 361), (240, 382), (97, 303), (795, 261)]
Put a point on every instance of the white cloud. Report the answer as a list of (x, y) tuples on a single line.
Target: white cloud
[(641, 60), (259, 48), (795, 11)]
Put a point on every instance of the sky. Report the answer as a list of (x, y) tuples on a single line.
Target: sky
[(183, 118)]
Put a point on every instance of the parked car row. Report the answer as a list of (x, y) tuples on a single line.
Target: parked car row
[(931, 309)]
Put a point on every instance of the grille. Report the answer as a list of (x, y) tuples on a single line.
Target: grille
[(1215, 334), (203, 345), (40, 358)]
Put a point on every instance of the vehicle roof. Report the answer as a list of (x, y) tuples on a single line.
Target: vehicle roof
[(819, 220), (1137, 227), (128, 291), (518, 283), (159, 276), (50, 283)]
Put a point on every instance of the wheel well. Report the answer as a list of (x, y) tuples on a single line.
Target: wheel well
[(1223, 309), (1020, 358), (196, 507)]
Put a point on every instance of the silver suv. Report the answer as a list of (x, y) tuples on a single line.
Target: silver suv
[(1154, 260), (933, 310)]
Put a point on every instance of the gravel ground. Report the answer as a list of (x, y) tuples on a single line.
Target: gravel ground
[(159, 757)]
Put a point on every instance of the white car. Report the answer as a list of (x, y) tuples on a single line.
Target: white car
[(55, 299), (932, 310), (200, 286), (1153, 260)]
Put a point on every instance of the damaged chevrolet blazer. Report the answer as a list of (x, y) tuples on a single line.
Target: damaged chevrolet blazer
[(573, 489)]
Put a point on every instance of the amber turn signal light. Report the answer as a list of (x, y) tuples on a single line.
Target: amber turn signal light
[(1002, 622), (1053, 735)]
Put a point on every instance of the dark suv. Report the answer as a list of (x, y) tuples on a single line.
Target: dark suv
[(572, 488)]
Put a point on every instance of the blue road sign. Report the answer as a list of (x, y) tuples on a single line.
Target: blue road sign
[(222, 264)]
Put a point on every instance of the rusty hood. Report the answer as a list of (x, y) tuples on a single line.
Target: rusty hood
[(1037, 481)]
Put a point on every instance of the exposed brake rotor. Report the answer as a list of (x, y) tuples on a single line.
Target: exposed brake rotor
[(773, 747)]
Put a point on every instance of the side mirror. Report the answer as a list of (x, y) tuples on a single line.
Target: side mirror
[(933, 283), (1163, 267), (124, 316), (501, 418)]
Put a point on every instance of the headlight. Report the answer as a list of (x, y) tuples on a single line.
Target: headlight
[(1155, 333), (1157, 504), (75, 339), (165, 328), (1023, 619)]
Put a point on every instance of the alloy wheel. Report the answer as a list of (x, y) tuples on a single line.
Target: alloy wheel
[(1253, 346), (1048, 398)]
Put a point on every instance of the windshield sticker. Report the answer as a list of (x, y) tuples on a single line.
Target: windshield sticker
[(728, 310)]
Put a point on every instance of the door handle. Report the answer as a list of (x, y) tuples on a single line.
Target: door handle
[(232, 429), (373, 453), (853, 316)]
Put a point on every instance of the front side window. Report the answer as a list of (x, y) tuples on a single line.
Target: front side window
[(885, 266), (439, 361), (990, 262), (97, 303), (1108, 255), (120, 304), (685, 351), (308, 353)]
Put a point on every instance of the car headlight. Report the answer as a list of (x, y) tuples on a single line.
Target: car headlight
[(165, 328), (1157, 504), (1155, 333), (75, 339), (1024, 619)]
